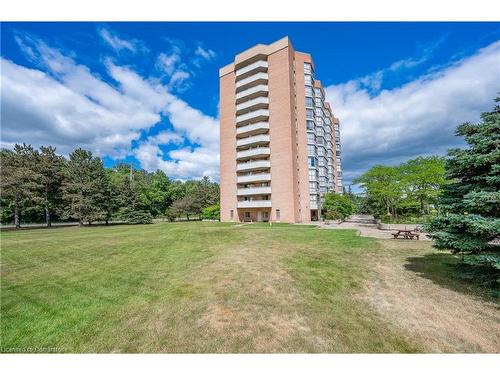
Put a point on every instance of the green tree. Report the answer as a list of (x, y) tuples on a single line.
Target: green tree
[(20, 180), (211, 212), (50, 168), (183, 206), (384, 186), (338, 206), (159, 193), (83, 190), (470, 203), (424, 178)]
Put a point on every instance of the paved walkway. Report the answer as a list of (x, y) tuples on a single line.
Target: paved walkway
[(366, 226)]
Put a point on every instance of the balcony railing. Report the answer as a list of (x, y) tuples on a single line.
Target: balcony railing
[(259, 90), (258, 78), (256, 139), (254, 204), (259, 114), (259, 102), (258, 164), (257, 177), (253, 152), (255, 190), (259, 127), (258, 65)]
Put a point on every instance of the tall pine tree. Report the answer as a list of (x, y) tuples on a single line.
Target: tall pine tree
[(83, 189), (50, 169), (470, 204)]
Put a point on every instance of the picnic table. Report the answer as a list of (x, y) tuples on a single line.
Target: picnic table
[(406, 234)]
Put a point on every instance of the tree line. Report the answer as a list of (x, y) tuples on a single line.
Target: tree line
[(410, 189), (40, 185)]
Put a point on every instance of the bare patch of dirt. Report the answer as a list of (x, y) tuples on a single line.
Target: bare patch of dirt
[(441, 318)]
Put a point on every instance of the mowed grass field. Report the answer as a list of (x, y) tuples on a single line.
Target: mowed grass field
[(225, 288)]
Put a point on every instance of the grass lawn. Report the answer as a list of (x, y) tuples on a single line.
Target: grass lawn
[(212, 287)]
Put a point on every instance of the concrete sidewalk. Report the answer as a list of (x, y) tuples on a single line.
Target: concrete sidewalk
[(366, 226)]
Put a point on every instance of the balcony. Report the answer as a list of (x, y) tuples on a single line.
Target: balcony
[(254, 116), (255, 190), (253, 152), (259, 127), (259, 102), (252, 92), (253, 80), (256, 139), (260, 66), (254, 204), (257, 177), (258, 164)]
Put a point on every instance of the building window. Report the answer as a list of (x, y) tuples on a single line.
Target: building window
[(311, 150), (309, 114), (319, 121), (308, 79), (278, 214), (319, 112), (309, 91), (309, 102), (231, 214), (313, 187), (307, 68), (311, 138), (318, 102), (247, 215), (320, 132), (310, 125), (312, 161), (313, 174)]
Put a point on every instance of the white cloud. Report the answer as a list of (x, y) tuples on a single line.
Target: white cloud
[(116, 42), (416, 118), (207, 54), (167, 62), (68, 106)]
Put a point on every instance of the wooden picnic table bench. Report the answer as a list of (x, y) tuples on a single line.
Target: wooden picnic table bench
[(406, 234)]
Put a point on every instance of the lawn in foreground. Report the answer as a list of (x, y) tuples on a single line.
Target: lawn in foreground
[(192, 287)]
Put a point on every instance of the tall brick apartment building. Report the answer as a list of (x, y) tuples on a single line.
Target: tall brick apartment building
[(279, 141)]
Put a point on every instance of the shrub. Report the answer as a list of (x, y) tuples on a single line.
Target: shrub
[(211, 212), (131, 216), (338, 207)]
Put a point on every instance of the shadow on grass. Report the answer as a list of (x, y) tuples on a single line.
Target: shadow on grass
[(448, 271)]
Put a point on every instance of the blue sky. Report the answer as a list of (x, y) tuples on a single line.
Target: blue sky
[(148, 92)]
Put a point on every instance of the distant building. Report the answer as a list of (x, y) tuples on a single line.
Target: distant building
[(279, 141)]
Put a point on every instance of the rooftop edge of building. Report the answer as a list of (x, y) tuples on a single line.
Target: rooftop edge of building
[(258, 50)]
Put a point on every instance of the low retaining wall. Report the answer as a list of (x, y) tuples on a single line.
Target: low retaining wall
[(383, 226)]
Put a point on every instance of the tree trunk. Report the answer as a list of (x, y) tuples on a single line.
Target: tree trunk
[(48, 219), (17, 221), (107, 222)]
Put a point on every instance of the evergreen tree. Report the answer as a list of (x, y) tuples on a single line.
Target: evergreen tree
[(470, 204), (50, 168), (83, 187), (20, 179)]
